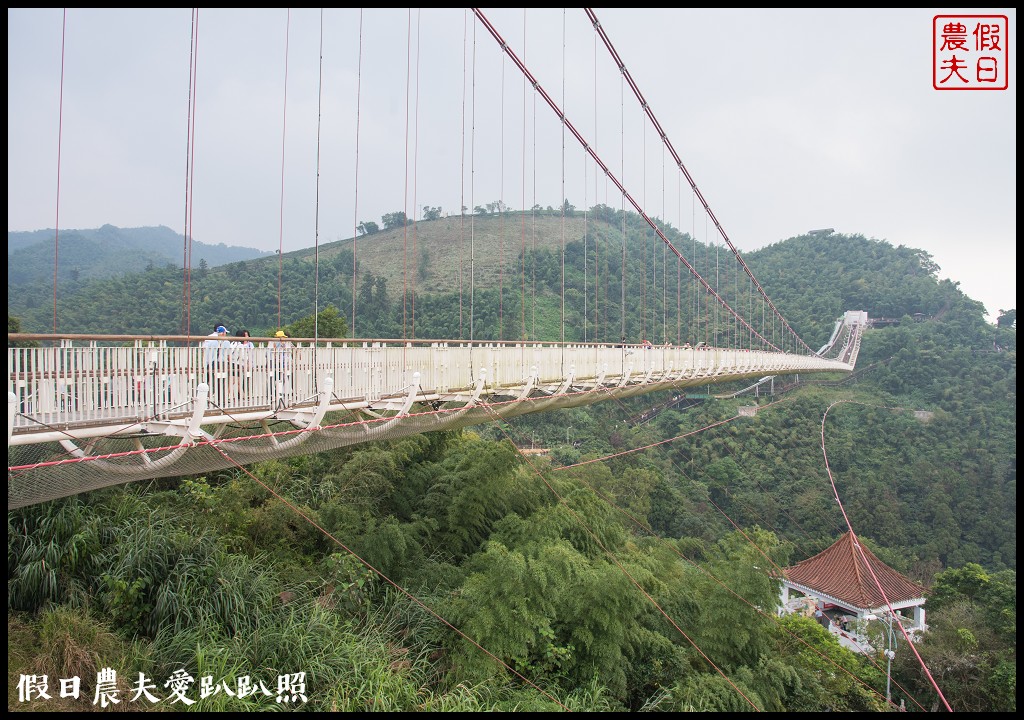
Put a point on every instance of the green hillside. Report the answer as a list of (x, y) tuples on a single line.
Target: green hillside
[(631, 568), (469, 277)]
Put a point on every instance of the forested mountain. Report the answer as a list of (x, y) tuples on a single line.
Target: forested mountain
[(85, 255), (631, 568), (501, 277)]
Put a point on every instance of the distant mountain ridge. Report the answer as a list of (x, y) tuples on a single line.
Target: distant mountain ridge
[(107, 251), (507, 273)]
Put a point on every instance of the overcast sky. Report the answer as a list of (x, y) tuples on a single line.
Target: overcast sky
[(787, 121)]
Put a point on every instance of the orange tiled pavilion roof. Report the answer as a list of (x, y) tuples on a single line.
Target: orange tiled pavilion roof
[(840, 571)]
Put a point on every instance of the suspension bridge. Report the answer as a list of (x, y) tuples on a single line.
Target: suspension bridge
[(101, 412), (89, 411)]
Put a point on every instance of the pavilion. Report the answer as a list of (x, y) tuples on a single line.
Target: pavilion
[(845, 579)]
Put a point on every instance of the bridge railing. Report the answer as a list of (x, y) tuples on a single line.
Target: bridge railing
[(57, 381)]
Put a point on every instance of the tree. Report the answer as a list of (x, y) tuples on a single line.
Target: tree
[(394, 220), (431, 213), (966, 658), (969, 583), (344, 263), (328, 323), (14, 326), (368, 228), (1007, 318), (927, 263)]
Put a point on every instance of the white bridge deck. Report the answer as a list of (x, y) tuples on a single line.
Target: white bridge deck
[(86, 412), (90, 388)]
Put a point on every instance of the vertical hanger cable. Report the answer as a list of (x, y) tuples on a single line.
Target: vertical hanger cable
[(417, 216), (563, 183), (284, 132), (355, 208), (405, 187), (316, 212), (60, 135)]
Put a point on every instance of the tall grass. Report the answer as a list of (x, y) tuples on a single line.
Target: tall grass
[(180, 601), (347, 667), (51, 554), (61, 642)]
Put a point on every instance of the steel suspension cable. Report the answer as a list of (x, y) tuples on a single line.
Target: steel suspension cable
[(732, 522), (589, 149), (312, 523), (758, 517), (614, 559), (707, 208), (860, 549)]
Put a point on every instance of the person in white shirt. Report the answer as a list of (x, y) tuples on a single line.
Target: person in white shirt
[(215, 357), (241, 354)]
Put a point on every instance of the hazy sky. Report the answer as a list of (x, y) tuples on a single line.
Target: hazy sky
[(307, 123)]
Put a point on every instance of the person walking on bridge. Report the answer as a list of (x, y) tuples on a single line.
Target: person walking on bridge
[(241, 364), (215, 358)]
